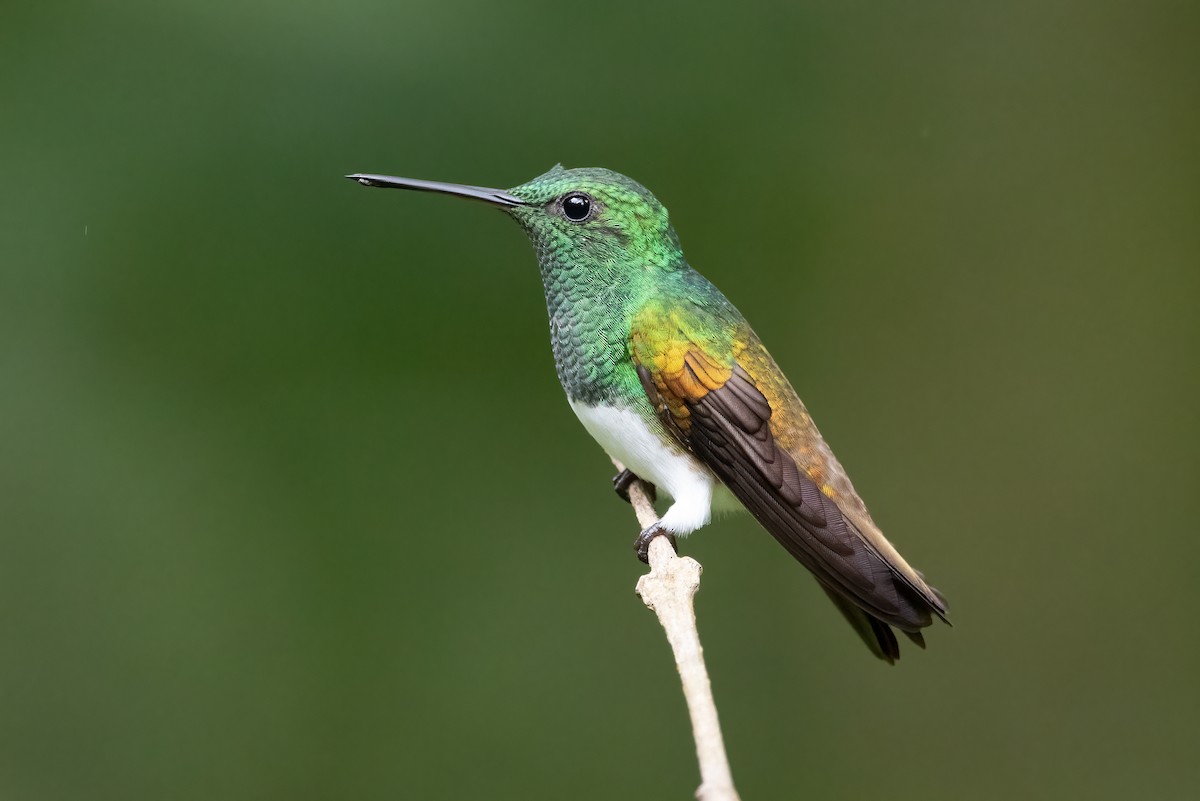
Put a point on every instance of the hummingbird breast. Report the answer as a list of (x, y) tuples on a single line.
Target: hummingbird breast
[(589, 334)]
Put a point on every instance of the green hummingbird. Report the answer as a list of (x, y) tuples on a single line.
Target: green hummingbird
[(669, 378)]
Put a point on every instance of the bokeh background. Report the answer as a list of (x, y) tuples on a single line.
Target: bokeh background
[(291, 506)]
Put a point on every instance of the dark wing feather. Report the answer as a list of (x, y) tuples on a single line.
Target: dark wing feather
[(727, 428)]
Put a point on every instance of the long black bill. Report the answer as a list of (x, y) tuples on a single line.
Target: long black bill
[(497, 197)]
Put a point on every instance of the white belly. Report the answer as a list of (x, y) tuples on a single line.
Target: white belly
[(626, 437)]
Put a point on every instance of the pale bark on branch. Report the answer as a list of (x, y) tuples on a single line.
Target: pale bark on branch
[(667, 590)]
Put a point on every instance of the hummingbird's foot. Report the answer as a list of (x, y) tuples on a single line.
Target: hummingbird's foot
[(642, 544), (624, 480)]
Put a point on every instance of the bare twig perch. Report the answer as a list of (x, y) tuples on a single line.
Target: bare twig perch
[(668, 590)]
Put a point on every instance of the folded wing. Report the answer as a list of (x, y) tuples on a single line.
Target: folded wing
[(712, 403)]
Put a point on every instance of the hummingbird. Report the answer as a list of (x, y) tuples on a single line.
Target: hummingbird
[(672, 382)]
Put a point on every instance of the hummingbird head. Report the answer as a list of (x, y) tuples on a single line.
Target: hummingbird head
[(595, 215), (581, 217)]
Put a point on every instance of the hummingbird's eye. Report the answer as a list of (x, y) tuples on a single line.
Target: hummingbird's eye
[(576, 206)]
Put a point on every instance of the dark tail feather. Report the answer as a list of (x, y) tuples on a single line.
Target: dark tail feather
[(877, 635)]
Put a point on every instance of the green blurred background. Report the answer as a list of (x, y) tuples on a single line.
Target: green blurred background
[(291, 505)]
